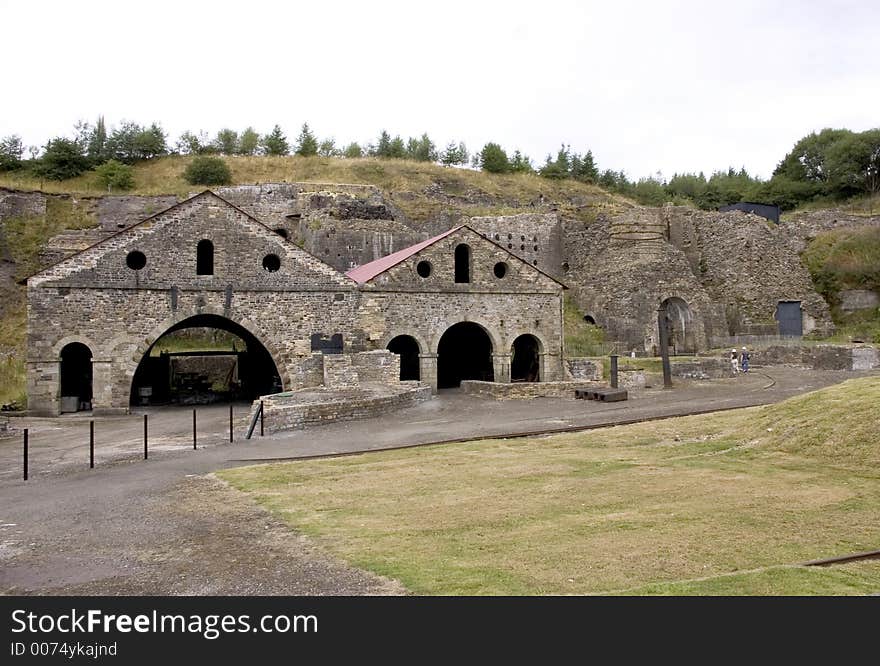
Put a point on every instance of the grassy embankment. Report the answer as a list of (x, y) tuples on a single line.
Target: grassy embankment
[(712, 504), (847, 259)]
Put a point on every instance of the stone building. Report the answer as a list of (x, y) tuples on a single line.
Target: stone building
[(457, 306)]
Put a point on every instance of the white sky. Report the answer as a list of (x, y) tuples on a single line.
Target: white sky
[(669, 85)]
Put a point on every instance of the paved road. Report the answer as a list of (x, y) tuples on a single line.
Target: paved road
[(161, 527)]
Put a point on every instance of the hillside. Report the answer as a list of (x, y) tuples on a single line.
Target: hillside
[(419, 189)]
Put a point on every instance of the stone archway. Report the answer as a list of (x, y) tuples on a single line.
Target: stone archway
[(75, 377), (247, 373), (525, 362), (464, 352), (407, 347)]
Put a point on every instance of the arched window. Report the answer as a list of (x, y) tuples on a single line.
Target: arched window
[(205, 257), (462, 263)]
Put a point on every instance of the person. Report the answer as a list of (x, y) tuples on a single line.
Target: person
[(744, 359), (734, 361)]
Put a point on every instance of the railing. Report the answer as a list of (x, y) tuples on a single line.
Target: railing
[(258, 414)]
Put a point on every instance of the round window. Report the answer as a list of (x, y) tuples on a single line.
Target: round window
[(423, 268), (500, 269), (271, 262), (136, 260)]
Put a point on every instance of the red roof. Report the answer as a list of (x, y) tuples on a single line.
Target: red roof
[(367, 272)]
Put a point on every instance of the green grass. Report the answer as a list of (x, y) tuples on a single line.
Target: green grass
[(581, 338), (710, 504), (12, 381)]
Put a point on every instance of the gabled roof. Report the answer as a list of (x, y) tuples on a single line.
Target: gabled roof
[(180, 204), (367, 272)]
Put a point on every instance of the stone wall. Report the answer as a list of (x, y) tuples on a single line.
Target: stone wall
[(380, 366), (853, 300), (524, 390), (536, 238), (115, 212), (291, 412), (584, 368)]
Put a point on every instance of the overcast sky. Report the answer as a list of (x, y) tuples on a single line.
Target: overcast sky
[(671, 85)]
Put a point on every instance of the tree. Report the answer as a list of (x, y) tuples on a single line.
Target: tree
[(248, 142), (383, 148), (130, 143), (306, 142), (807, 160), (397, 149), (560, 167), (853, 164), (113, 174), (328, 148), (226, 142), (455, 153), (96, 146), (62, 159), (275, 143), (585, 170), (493, 159), (421, 149), (520, 163), (204, 170), (353, 150), (11, 150), (191, 144)]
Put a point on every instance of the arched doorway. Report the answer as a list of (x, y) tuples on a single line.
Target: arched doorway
[(407, 348), (525, 362), (681, 326), (464, 352), (204, 359), (76, 377)]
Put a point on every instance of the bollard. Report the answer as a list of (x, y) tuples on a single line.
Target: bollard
[(261, 418), (25, 456), (230, 422), (613, 370), (145, 437), (194, 431), (91, 445)]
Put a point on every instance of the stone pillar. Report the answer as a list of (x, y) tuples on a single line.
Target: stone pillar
[(108, 395), (551, 368), (428, 370), (44, 387), (501, 367)]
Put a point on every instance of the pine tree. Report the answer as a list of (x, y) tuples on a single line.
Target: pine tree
[(275, 143), (96, 148), (306, 142)]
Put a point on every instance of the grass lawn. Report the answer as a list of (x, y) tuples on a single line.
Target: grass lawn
[(711, 504)]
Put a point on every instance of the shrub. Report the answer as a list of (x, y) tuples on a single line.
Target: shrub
[(207, 171), (115, 175)]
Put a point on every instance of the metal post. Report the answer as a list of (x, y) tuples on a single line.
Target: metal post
[(613, 370), (195, 446), (91, 445), (145, 437), (25, 457), (230, 422), (261, 418), (663, 325)]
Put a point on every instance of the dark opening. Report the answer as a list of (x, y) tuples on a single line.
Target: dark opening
[(681, 326), (464, 352), (76, 377), (271, 263), (525, 364), (136, 260), (327, 345), (423, 268), (408, 349), (590, 320), (462, 263), (500, 270), (281, 232), (204, 359), (205, 258)]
